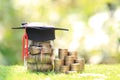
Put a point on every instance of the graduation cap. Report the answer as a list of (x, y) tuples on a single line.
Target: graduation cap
[(36, 32), (39, 31)]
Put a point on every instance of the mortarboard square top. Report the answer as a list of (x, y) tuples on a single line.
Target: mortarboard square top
[(39, 32)]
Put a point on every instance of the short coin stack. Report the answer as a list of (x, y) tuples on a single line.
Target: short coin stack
[(68, 62), (40, 56)]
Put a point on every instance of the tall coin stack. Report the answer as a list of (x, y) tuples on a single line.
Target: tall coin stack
[(40, 56), (68, 62)]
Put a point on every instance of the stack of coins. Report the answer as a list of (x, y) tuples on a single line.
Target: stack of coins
[(57, 64), (64, 68), (75, 67), (73, 54), (81, 61), (63, 53), (40, 56), (68, 62)]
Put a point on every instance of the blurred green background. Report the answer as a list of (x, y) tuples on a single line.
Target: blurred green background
[(94, 27)]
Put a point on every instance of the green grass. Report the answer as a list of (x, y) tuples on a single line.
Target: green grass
[(91, 72)]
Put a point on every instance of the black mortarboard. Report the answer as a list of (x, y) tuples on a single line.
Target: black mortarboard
[(39, 32)]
